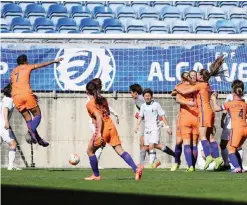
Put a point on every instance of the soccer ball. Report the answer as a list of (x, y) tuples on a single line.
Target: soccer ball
[(74, 159)]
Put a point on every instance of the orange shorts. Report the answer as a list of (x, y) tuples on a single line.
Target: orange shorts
[(109, 135), (238, 137), (25, 101), (189, 126), (206, 118)]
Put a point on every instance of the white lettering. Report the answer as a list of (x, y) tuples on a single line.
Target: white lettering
[(155, 71), (230, 74), (242, 73), (167, 69)]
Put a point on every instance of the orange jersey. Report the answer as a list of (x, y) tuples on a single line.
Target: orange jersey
[(185, 110), (203, 96), (237, 110), (20, 79)]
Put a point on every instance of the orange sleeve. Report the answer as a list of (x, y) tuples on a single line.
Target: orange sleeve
[(225, 106), (31, 67), (91, 108), (197, 86)]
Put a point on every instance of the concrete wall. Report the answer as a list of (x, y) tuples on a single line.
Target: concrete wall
[(65, 126)]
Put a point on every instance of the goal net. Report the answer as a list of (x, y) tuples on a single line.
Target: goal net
[(153, 63)]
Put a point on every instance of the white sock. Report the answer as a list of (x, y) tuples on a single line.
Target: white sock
[(224, 153), (98, 153), (152, 156), (11, 157), (240, 151)]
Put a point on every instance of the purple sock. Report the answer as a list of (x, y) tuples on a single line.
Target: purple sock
[(194, 154), (188, 155), (128, 159), (239, 159), (214, 149), (234, 160), (32, 126), (178, 152), (206, 147), (94, 165)]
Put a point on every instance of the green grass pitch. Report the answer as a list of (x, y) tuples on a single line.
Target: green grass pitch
[(199, 184)]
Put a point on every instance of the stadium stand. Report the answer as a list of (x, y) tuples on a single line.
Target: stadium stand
[(201, 16), (19, 24)]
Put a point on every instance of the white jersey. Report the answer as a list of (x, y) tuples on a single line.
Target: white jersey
[(139, 101), (6, 103), (151, 113), (227, 123)]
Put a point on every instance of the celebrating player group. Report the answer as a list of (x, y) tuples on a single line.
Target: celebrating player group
[(195, 129)]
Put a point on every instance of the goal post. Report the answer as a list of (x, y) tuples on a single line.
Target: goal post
[(155, 61)]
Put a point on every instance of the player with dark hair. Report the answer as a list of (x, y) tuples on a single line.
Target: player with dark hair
[(105, 132), (237, 109), (6, 132), (23, 97), (206, 113)]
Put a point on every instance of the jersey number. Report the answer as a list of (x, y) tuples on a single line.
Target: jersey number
[(241, 114), (17, 77)]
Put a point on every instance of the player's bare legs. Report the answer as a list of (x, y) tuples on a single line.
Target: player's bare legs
[(138, 170), (12, 151), (143, 151), (178, 152)]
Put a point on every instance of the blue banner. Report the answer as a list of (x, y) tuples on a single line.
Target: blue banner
[(154, 67)]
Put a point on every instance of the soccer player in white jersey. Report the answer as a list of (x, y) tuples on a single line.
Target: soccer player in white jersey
[(151, 111), (98, 82), (226, 126), (6, 133), (136, 94)]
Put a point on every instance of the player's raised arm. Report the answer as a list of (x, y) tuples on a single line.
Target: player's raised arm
[(40, 65), (216, 107), (185, 91), (180, 101)]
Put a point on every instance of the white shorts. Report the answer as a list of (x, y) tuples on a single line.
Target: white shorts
[(92, 127), (7, 135), (225, 134), (151, 137)]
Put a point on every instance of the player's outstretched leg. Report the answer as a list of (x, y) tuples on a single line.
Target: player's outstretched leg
[(138, 169), (165, 149)]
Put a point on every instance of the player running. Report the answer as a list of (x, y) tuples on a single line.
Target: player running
[(6, 132), (226, 126), (98, 83), (136, 94), (151, 111), (206, 113), (237, 109), (105, 132), (23, 97)]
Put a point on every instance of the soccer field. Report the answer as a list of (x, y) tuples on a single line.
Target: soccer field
[(200, 184)]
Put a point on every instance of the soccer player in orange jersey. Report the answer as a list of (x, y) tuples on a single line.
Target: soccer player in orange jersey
[(206, 115), (105, 132), (237, 109), (23, 97)]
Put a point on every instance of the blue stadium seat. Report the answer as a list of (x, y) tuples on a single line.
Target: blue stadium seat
[(237, 14), (34, 11), (50, 31), (135, 26), (115, 4), (112, 26), (42, 24), (4, 24), (136, 5), (6, 2), (204, 5), (5, 31), (47, 4), (92, 4), (226, 5), (56, 12), (10, 11), (70, 4), (192, 14), (28, 31), (102, 12), (158, 27), (19, 24), (159, 5), (242, 27), (202, 26), (170, 13), (80, 12), (64, 25), (243, 4), (88, 25), (214, 14), (75, 31), (181, 5), (179, 26), (125, 13), (225, 26), (23, 4), (148, 14)]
